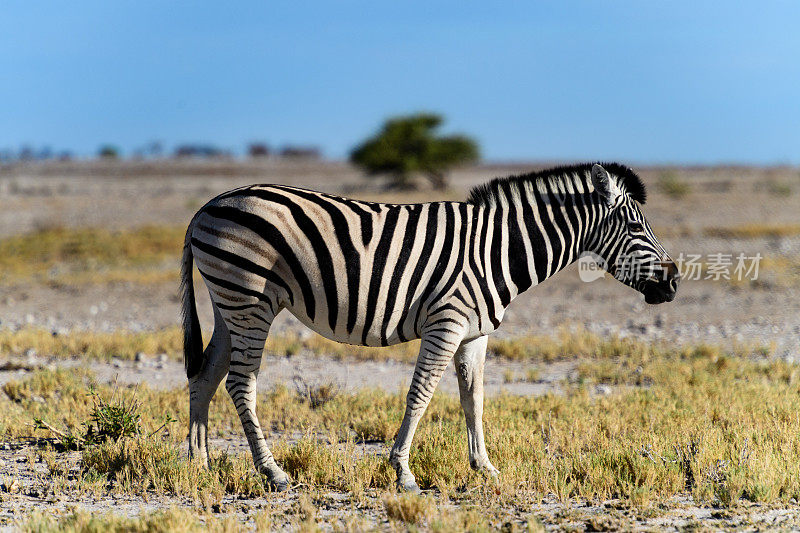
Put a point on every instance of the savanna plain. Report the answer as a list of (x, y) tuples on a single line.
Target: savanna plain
[(602, 413)]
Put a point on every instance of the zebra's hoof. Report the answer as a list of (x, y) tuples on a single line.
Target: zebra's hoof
[(277, 480), (279, 486), (409, 487), (486, 468), (490, 472)]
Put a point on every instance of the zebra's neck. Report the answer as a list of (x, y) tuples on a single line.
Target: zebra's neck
[(538, 228)]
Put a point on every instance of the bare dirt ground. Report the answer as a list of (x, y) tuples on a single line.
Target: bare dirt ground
[(502, 376), (126, 195)]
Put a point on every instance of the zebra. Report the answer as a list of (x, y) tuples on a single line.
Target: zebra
[(378, 274)]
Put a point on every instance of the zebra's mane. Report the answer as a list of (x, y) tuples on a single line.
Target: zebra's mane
[(627, 180)]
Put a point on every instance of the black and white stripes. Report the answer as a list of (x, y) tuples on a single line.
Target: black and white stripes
[(379, 274)]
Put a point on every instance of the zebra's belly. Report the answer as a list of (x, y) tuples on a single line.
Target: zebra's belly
[(360, 335)]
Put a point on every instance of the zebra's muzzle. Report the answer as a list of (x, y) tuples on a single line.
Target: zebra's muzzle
[(658, 292), (660, 289)]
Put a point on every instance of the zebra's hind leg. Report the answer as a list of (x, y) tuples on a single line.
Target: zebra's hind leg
[(469, 360), (248, 335), (435, 353), (203, 386)]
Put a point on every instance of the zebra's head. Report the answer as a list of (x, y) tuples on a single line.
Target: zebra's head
[(624, 241)]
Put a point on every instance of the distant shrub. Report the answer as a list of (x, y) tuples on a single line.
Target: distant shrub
[(200, 151), (258, 150), (108, 151), (777, 188), (300, 152), (671, 185)]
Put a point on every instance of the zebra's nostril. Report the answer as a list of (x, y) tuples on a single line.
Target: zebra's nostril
[(672, 272), (675, 278)]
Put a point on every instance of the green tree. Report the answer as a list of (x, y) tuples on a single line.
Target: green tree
[(409, 145), (108, 151)]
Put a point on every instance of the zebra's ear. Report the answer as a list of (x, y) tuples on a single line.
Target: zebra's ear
[(605, 185)]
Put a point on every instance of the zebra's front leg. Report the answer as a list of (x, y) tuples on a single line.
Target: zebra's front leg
[(469, 361), (241, 386), (435, 354)]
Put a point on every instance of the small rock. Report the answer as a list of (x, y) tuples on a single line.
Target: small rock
[(163, 358), (602, 390), (139, 357)]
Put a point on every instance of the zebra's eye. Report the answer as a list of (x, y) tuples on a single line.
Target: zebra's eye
[(635, 227)]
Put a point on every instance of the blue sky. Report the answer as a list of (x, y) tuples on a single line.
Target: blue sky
[(638, 81)]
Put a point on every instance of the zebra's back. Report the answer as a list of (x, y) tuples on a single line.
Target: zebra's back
[(355, 272)]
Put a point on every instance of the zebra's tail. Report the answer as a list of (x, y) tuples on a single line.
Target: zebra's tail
[(192, 335)]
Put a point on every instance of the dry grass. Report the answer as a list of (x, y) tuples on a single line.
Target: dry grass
[(171, 520), (91, 345), (92, 255), (697, 421), (571, 445), (772, 271), (302, 516), (569, 343), (407, 508), (672, 185), (754, 231), (125, 345), (774, 186), (733, 231)]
